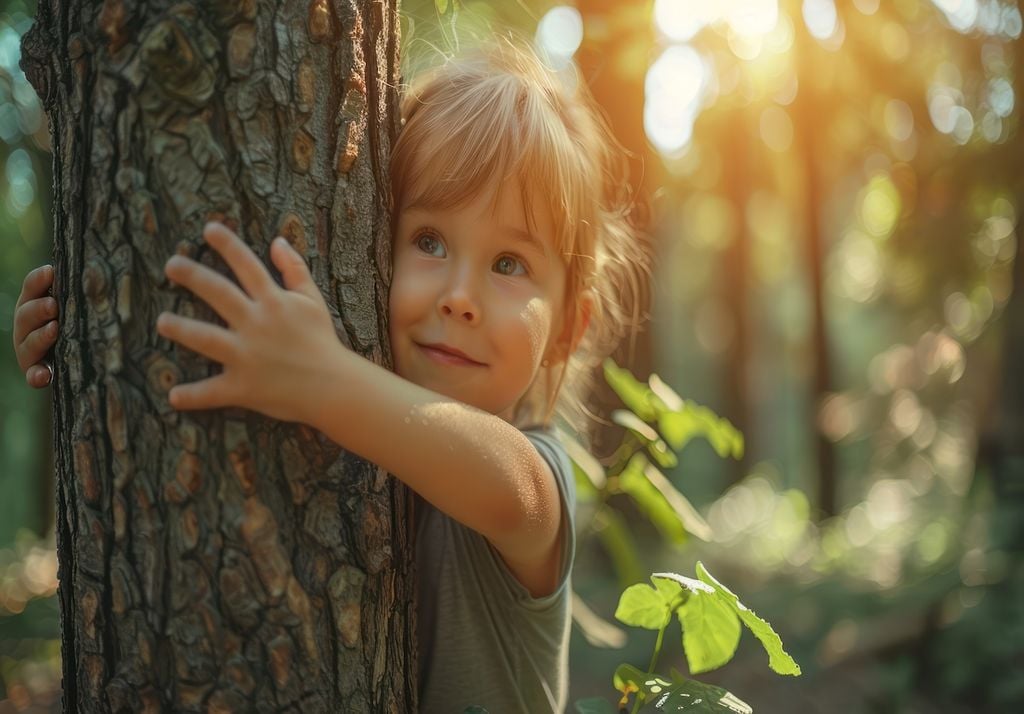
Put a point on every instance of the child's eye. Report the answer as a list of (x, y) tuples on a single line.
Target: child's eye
[(509, 265), (429, 244)]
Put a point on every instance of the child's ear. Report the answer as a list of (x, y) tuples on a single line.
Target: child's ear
[(571, 334)]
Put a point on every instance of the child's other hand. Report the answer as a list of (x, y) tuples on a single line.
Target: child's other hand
[(35, 329), (277, 342)]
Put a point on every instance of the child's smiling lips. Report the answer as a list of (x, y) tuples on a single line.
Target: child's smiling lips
[(449, 355)]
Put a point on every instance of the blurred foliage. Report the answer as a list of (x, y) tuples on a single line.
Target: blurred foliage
[(877, 143), (29, 649), (24, 244)]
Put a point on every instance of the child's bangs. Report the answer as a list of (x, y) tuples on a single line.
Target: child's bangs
[(490, 130)]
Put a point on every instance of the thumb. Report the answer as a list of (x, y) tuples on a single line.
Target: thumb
[(293, 269)]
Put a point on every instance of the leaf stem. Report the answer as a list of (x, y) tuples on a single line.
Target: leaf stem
[(676, 602), (654, 662), (657, 647)]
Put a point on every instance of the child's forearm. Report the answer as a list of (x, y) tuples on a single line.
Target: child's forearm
[(472, 465)]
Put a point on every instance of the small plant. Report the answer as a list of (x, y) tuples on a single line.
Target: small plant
[(659, 424), (710, 616)]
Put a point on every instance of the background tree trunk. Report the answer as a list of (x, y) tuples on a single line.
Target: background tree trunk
[(217, 561)]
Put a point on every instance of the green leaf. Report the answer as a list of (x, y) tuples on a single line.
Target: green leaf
[(692, 521), (667, 395), (665, 457), (594, 705), (634, 394), (711, 628), (670, 590), (778, 659), (711, 632), (678, 695), (678, 428), (617, 541), (442, 6), (633, 481), (692, 697), (628, 678), (635, 424), (642, 606), (693, 586)]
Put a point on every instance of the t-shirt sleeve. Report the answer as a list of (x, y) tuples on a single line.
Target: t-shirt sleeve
[(554, 454)]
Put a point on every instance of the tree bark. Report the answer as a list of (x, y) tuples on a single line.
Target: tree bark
[(217, 561)]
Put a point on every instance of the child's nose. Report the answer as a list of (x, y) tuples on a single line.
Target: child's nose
[(458, 302)]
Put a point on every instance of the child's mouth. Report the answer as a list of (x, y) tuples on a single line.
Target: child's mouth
[(448, 355)]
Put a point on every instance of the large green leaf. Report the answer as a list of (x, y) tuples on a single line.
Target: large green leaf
[(689, 695), (634, 394), (628, 678), (678, 428), (692, 521), (678, 695), (633, 481), (643, 606), (681, 582), (691, 420), (660, 452), (668, 396), (635, 424), (711, 632), (778, 659)]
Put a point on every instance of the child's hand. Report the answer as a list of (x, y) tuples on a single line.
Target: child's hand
[(35, 329), (277, 341)]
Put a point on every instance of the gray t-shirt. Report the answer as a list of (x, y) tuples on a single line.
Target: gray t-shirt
[(482, 638)]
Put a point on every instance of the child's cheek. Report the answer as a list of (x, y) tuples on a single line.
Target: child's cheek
[(537, 319)]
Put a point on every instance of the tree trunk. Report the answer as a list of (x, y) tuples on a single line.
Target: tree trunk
[(809, 109), (217, 561)]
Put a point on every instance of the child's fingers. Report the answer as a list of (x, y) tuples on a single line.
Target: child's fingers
[(35, 346), (243, 262), (295, 271), (38, 376), (33, 315), (211, 341), (36, 283), (213, 288), (209, 393)]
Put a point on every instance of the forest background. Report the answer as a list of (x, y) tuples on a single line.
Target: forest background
[(833, 191)]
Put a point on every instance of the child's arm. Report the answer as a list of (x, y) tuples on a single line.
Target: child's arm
[(281, 357), (474, 466)]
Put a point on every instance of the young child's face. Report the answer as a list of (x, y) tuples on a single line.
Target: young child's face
[(470, 280)]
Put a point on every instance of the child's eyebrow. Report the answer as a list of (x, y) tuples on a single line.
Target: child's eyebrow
[(522, 236), (516, 234)]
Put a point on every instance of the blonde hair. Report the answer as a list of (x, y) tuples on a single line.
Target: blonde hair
[(498, 111)]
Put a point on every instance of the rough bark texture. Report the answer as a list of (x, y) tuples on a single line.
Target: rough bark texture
[(217, 561)]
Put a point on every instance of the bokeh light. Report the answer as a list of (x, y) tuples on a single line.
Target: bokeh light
[(674, 91), (559, 34)]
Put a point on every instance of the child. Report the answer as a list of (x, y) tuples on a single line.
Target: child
[(515, 271)]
